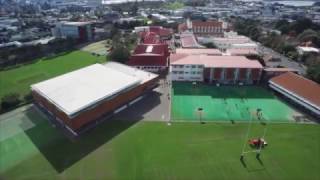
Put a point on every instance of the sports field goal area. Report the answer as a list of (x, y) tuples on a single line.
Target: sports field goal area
[(226, 103)]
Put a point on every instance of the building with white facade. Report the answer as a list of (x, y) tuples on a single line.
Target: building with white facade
[(216, 69), (305, 50)]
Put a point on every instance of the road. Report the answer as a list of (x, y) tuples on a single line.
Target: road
[(285, 61)]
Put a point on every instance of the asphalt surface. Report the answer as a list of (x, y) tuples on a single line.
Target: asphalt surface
[(155, 106), (285, 61)]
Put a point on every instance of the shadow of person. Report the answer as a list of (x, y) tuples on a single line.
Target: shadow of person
[(242, 161), (259, 159)]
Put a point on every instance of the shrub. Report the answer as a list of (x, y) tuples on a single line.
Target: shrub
[(10, 101), (28, 97)]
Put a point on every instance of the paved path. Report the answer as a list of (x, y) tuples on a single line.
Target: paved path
[(285, 61), (153, 107)]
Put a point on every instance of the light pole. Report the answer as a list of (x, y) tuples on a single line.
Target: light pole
[(200, 114)]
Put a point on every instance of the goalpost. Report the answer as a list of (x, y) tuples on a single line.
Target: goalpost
[(265, 128)]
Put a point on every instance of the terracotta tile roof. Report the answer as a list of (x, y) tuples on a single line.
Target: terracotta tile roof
[(147, 60), (207, 23), (149, 37), (161, 49), (300, 86), (149, 55), (189, 41)]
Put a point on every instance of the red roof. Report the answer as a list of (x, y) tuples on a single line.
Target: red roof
[(206, 23), (160, 49), (189, 41), (154, 34), (142, 60), (149, 37), (299, 86), (160, 30), (182, 27), (150, 55)]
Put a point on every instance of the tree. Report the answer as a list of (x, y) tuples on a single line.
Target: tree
[(10, 101), (313, 72), (256, 57), (310, 35), (28, 97), (119, 53), (210, 45)]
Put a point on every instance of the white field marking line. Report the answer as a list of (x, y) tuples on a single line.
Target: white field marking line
[(211, 140), (171, 98), (246, 152), (228, 122)]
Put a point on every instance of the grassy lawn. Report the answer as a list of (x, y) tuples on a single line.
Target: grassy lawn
[(153, 150), (97, 47), (227, 103), (19, 79)]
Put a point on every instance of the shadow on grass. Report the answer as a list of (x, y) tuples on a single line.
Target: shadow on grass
[(225, 92), (53, 56), (63, 152)]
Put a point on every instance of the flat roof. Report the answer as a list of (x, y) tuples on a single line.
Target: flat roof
[(219, 61), (299, 86), (144, 76), (280, 70), (80, 89), (75, 23), (198, 51), (308, 49), (241, 51)]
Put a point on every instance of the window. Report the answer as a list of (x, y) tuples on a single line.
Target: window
[(193, 66), (180, 66), (199, 66), (199, 72), (186, 72), (193, 72), (187, 66), (180, 72)]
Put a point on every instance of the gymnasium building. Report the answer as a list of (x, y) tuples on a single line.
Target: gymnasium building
[(299, 90), (76, 100)]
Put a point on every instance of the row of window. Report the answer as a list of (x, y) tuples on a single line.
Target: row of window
[(187, 66), (207, 29), (148, 67), (182, 72), (192, 78)]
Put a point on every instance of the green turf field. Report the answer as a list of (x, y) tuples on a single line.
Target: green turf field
[(153, 150), (19, 79), (226, 103)]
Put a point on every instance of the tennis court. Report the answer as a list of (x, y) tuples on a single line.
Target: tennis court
[(227, 103)]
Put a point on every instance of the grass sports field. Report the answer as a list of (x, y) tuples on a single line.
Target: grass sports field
[(97, 47), (226, 103), (19, 79), (33, 149)]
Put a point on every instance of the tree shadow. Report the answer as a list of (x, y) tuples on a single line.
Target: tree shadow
[(62, 151)]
